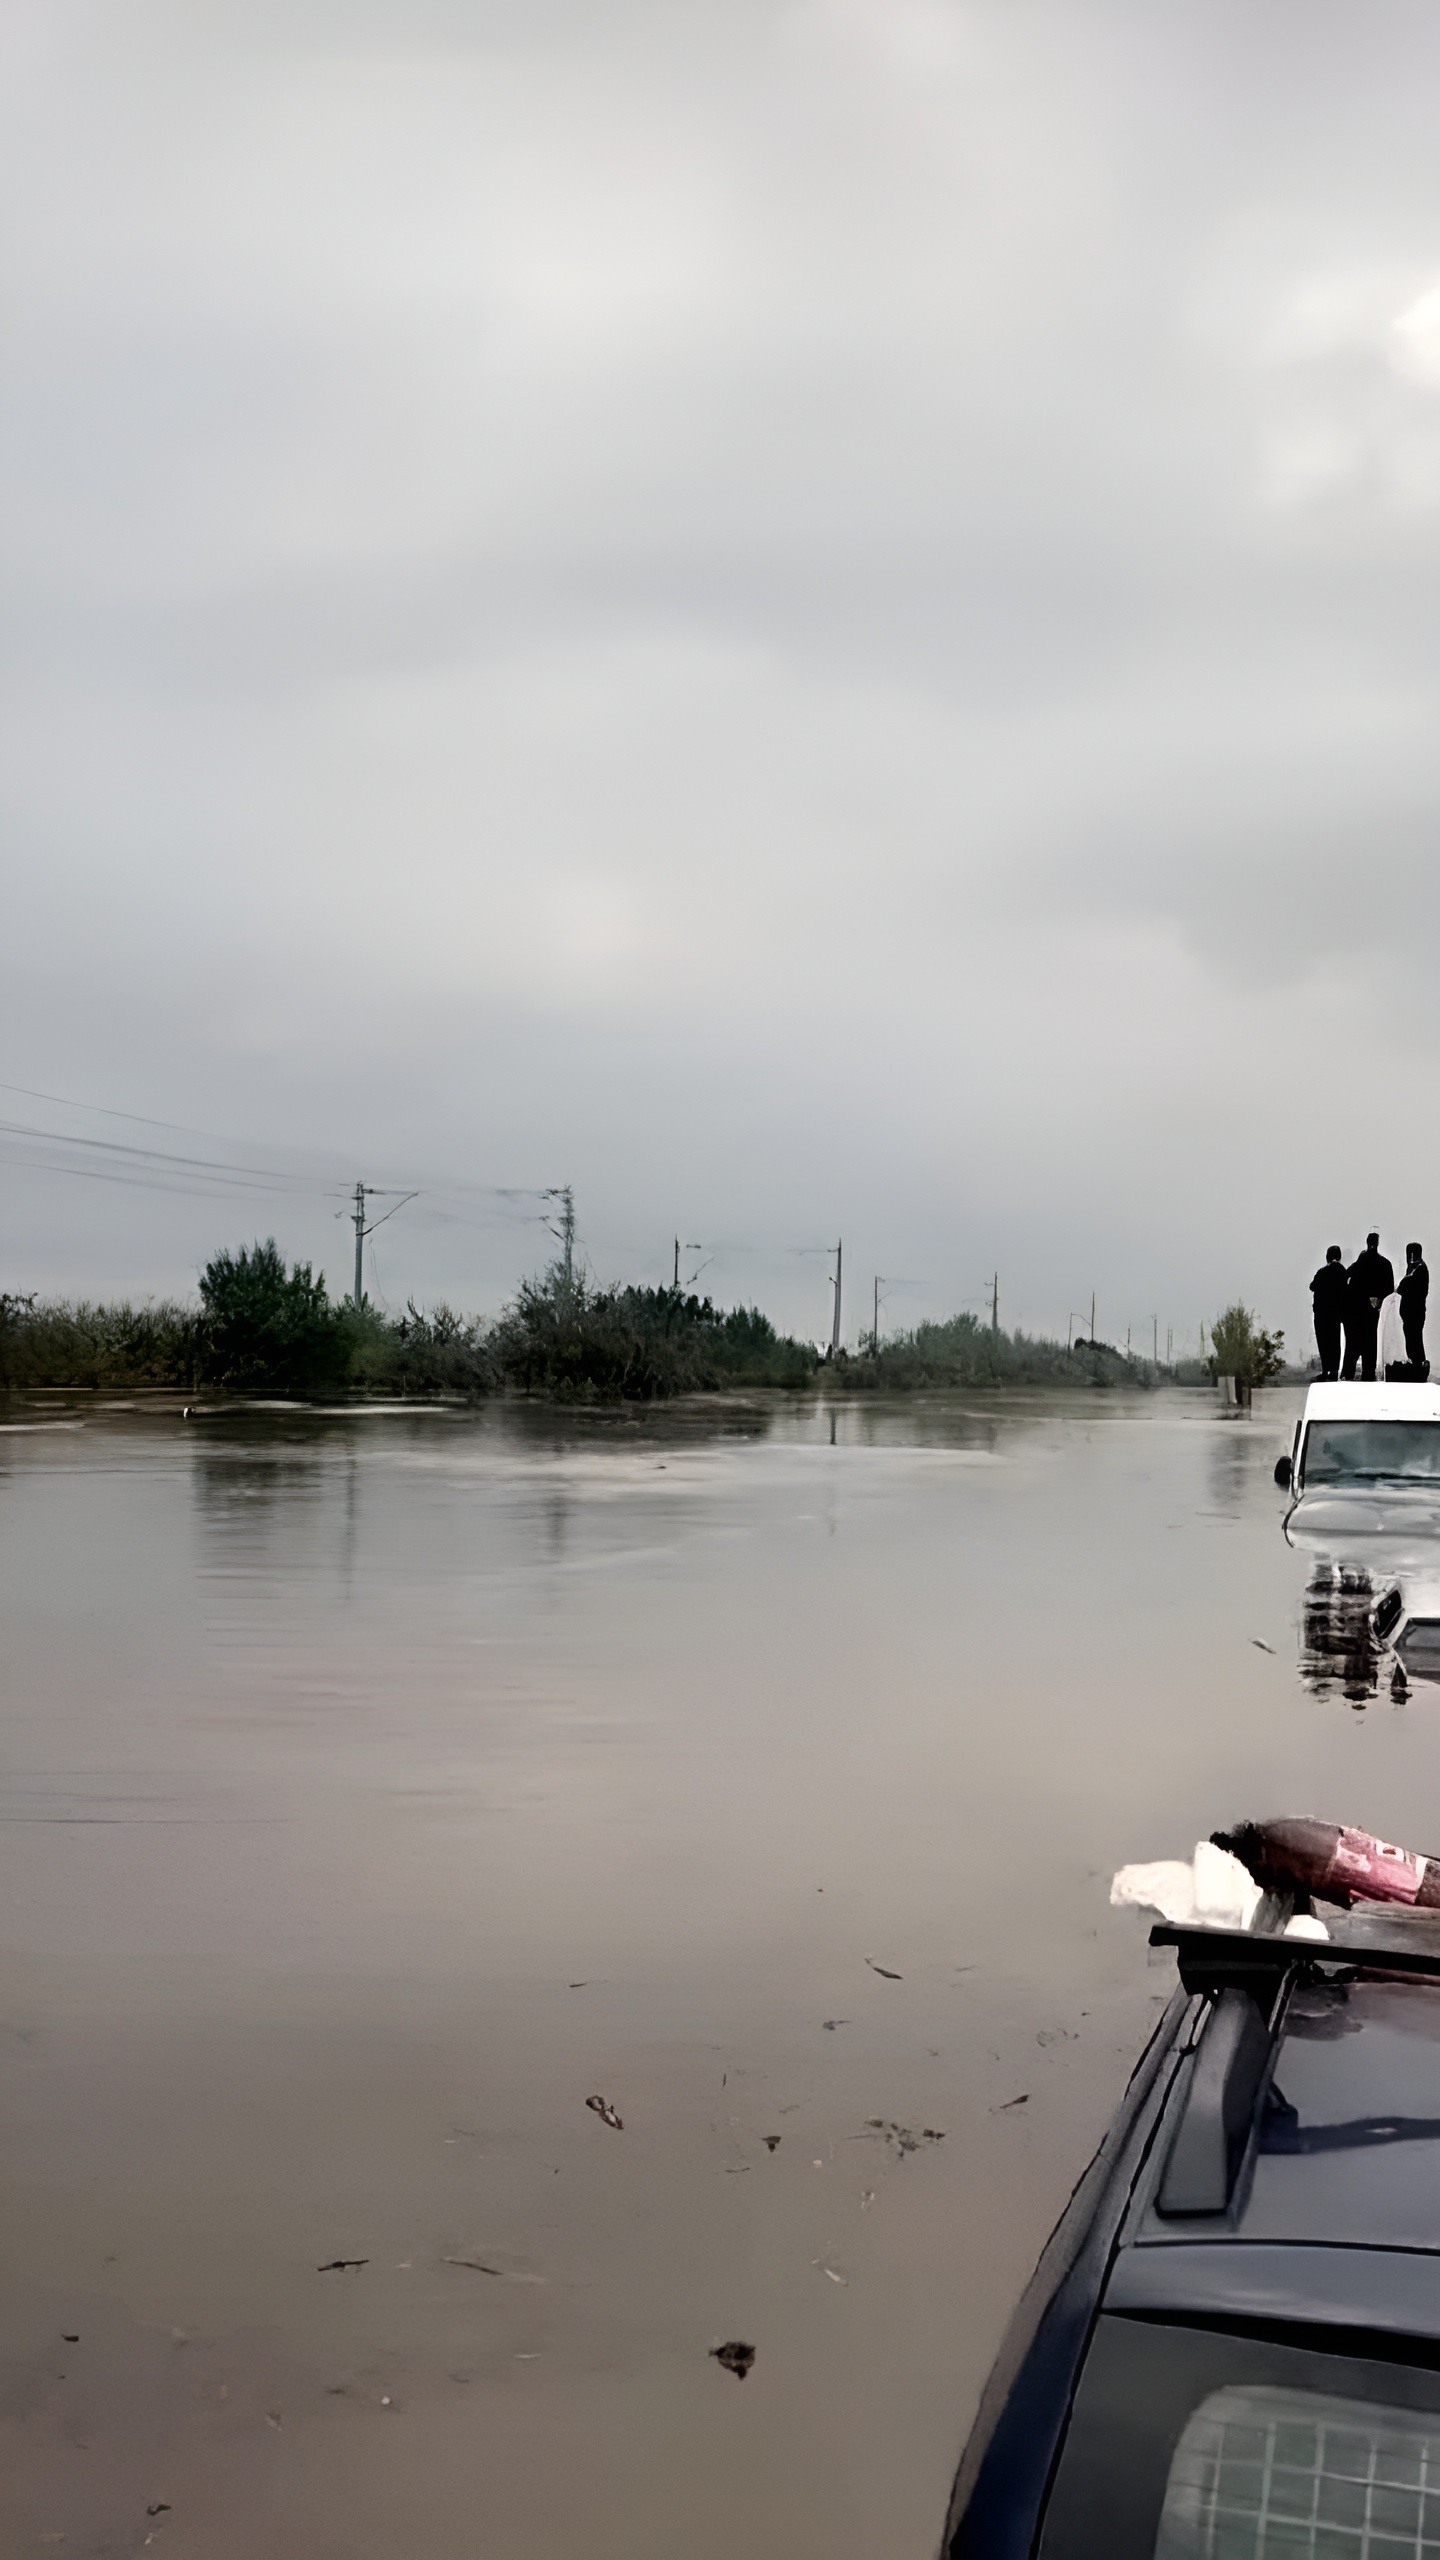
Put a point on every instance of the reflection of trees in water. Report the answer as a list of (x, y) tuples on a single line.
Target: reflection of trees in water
[(256, 1505), (1337, 1640), (1232, 1456), (230, 1487)]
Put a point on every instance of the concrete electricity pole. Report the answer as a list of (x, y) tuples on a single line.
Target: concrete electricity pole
[(995, 1304), (835, 1285), (679, 1249), (565, 1232), (369, 1191), (358, 1214)]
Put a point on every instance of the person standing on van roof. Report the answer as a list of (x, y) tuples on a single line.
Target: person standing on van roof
[(1414, 1290), (1329, 1290), (1371, 1280)]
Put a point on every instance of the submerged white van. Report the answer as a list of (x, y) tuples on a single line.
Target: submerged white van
[(1365, 1457)]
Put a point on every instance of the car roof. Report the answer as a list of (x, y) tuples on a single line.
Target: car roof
[(1347, 2151), (1371, 1401)]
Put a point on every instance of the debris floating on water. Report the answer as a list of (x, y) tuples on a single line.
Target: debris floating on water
[(771, 2141), (1006, 2104), (735, 2356), (337, 2266), (834, 2022), (606, 2113), (884, 1971), (901, 2136), (1261, 1646)]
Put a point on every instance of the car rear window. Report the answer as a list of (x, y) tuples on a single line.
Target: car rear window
[(1360, 1452), (1260, 2473), (1194, 2444)]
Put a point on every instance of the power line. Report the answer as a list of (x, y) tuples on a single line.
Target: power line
[(131, 1181), (167, 1169), (107, 1111), (265, 1174)]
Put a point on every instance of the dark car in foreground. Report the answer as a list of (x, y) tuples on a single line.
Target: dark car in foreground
[(1231, 2347)]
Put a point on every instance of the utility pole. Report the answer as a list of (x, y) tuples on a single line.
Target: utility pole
[(1169, 1346), (875, 1327), (995, 1304), (563, 1192), (1092, 1319), (368, 1191), (1154, 1342), (835, 1284), (679, 1249), (358, 1214)]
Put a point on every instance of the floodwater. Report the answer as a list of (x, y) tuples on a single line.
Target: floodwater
[(378, 1788)]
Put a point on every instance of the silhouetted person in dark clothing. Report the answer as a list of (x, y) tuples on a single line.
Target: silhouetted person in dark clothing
[(1330, 1289), (1414, 1290), (1371, 1280)]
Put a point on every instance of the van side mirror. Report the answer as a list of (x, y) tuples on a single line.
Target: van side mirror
[(1282, 1471)]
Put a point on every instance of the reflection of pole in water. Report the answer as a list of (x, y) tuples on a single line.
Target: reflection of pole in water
[(349, 1525)]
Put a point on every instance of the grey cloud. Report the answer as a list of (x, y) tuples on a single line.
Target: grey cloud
[(813, 615)]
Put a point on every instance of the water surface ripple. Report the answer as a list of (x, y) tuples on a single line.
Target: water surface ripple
[(379, 1789)]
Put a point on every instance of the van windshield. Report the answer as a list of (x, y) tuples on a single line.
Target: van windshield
[(1362, 1452)]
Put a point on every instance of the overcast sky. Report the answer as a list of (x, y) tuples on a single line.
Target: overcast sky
[(817, 616)]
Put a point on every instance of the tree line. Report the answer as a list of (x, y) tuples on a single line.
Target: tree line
[(261, 1327)]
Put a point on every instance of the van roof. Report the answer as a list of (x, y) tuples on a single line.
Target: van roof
[(1354, 1400)]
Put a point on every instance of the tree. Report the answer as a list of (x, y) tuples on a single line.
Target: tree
[(269, 1328), (1240, 1350)]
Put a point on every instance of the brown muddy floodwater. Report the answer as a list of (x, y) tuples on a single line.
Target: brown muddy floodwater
[(378, 1788)]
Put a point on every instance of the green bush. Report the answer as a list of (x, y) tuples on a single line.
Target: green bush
[(565, 1338), (418, 1355), (270, 1331), (1239, 1349), (964, 1352), (60, 1344)]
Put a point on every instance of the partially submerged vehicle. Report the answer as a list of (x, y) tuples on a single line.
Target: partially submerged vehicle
[(1231, 2347), (1405, 1622), (1365, 1461)]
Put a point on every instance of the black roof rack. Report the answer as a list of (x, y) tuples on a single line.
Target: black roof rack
[(1216, 1959), (1246, 1972)]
